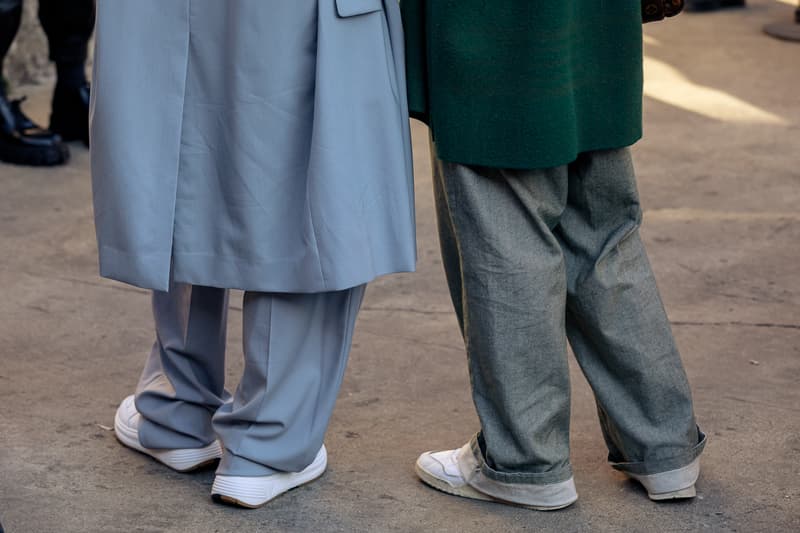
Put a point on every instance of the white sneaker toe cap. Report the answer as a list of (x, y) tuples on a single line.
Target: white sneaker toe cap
[(126, 428), (443, 466)]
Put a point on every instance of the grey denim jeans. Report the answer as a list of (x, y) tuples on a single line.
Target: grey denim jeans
[(535, 258)]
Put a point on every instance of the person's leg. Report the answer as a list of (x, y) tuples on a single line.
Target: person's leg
[(507, 279), (10, 19), (183, 382), (296, 349), (21, 141), (616, 322), (69, 26), (182, 385)]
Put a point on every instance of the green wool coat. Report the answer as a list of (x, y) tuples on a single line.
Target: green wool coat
[(525, 83)]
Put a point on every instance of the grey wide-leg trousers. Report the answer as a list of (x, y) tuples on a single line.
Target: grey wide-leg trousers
[(535, 258), (296, 348)]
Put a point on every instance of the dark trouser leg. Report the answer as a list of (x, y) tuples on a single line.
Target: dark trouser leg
[(183, 382), (21, 141), (69, 25), (296, 349), (616, 322), (507, 278)]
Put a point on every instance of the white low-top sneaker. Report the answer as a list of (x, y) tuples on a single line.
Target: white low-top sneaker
[(126, 427), (458, 472), (254, 492), (672, 485)]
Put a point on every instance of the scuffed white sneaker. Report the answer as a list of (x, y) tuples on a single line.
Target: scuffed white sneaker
[(126, 428), (458, 472), (440, 471), (672, 485), (254, 492)]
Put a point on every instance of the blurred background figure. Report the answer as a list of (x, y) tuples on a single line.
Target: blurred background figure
[(68, 25), (710, 5)]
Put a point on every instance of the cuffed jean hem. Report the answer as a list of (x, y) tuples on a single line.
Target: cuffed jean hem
[(519, 478), (664, 465)]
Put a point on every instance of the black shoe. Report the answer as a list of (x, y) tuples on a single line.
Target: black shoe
[(22, 142), (710, 5), (70, 117)]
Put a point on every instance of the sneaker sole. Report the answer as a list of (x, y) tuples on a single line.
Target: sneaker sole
[(682, 494), (465, 492), (225, 491), (230, 500), (183, 461), (678, 484), (468, 492)]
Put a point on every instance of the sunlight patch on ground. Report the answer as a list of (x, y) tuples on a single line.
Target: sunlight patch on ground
[(668, 85), (687, 214), (651, 41)]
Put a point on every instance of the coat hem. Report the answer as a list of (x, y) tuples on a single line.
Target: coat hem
[(134, 269), (235, 274), (494, 161)]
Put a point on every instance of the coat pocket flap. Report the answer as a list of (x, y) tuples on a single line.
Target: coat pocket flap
[(351, 8)]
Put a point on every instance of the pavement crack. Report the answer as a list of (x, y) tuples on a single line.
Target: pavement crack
[(752, 298), (737, 323), (89, 283), (766, 404), (122, 288), (405, 310)]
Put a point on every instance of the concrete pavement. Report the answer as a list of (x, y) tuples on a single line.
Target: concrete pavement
[(720, 181)]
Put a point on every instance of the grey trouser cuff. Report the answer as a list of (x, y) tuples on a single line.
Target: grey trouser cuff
[(235, 465)]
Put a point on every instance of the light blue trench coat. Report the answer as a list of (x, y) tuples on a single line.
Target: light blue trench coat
[(262, 145)]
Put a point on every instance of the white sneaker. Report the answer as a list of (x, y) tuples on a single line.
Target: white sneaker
[(254, 492), (126, 427), (672, 485), (458, 472)]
